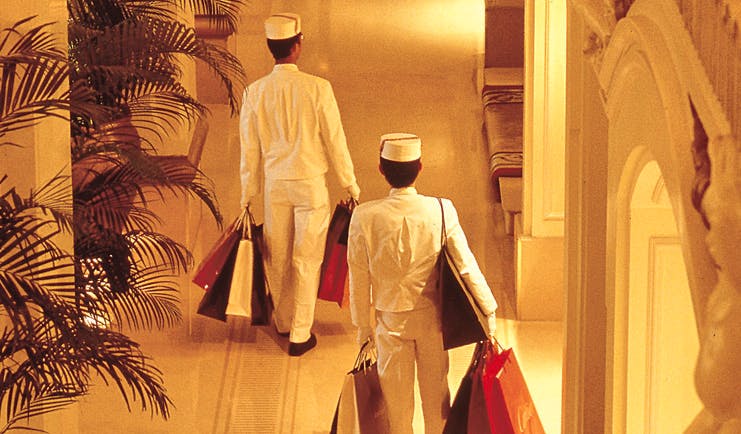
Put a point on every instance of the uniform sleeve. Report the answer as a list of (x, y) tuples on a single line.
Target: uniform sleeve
[(360, 284), (333, 136), (249, 164), (465, 261)]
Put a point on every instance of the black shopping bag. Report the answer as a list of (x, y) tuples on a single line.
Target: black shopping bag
[(262, 302), (457, 421)]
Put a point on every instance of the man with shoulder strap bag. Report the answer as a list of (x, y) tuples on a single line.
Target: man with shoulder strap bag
[(393, 247)]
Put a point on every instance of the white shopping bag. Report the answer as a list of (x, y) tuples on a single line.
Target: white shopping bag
[(240, 289)]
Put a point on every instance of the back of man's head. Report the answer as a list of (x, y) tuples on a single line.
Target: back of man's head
[(400, 160), (282, 32)]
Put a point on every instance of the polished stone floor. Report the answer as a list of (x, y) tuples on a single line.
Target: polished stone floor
[(395, 67)]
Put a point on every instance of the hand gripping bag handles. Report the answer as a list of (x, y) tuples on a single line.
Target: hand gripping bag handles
[(463, 321), (361, 408), (333, 280)]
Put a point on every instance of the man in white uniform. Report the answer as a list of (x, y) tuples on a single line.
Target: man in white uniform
[(393, 245), (290, 128)]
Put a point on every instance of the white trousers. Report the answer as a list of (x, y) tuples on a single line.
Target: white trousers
[(296, 221), (403, 339)]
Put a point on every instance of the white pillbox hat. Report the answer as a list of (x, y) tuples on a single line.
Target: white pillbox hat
[(282, 26), (401, 147)]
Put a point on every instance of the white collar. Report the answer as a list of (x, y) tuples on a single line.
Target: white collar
[(403, 190), (285, 67)]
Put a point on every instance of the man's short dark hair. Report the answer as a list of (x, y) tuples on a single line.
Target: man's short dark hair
[(400, 174), (281, 48)]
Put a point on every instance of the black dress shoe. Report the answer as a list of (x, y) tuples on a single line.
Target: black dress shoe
[(297, 349)]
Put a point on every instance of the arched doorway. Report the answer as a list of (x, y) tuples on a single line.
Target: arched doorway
[(654, 257), (655, 342)]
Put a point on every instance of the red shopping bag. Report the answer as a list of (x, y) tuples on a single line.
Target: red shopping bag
[(212, 265), (214, 301), (478, 415), (509, 404), (334, 266)]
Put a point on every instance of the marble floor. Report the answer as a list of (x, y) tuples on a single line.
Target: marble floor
[(395, 67)]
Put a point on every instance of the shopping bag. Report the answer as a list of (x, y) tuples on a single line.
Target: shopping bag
[(509, 404), (345, 419), (214, 301), (457, 421), (240, 289), (334, 265), (478, 416), (211, 266), (361, 408), (463, 321), (261, 300), (372, 412)]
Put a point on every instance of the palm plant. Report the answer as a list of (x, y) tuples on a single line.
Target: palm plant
[(66, 312), (126, 98), (49, 347)]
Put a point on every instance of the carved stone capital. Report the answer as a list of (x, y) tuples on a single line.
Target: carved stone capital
[(599, 18)]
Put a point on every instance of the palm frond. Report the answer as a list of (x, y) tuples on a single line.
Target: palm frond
[(47, 401), (97, 14), (55, 198), (223, 14), (123, 184), (156, 248), (33, 77), (121, 361), (36, 42), (149, 44), (150, 301)]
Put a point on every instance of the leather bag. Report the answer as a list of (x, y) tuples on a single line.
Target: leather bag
[(463, 321)]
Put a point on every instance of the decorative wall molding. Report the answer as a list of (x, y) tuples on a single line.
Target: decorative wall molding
[(710, 28), (599, 18)]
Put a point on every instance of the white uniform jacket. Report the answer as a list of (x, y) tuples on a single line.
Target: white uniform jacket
[(392, 248), (290, 119)]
